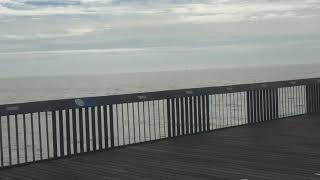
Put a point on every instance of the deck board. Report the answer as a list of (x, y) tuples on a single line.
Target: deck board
[(280, 149)]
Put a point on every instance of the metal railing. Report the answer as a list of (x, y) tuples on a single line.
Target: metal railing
[(37, 131)]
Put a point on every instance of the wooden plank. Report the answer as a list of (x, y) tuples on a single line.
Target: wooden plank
[(291, 151)]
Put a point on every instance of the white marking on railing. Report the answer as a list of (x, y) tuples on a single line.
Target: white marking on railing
[(12, 108), (142, 97), (229, 89), (264, 85), (79, 102), (293, 82), (189, 92)]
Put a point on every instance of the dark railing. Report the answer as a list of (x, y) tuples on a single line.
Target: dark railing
[(36, 131)]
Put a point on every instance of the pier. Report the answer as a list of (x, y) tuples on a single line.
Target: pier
[(251, 131)]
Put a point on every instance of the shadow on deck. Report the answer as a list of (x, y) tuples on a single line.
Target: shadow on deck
[(280, 149)]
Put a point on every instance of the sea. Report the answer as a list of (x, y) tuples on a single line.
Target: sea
[(26, 89)]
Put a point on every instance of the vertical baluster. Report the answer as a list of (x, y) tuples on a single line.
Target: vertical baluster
[(144, 121), (25, 138), (54, 135), (68, 135), (9, 139), (276, 103), (173, 117), (47, 135), (195, 114), (1, 142), (265, 104), (111, 126), (81, 135), (17, 138), (238, 108), (106, 131), (61, 129), (40, 135), (74, 131), (128, 120), (169, 118), (149, 119), (93, 128), (191, 120), (99, 127), (117, 119), (186, 104), (159, 119), (203, 100), (32, 138), (178, 116), (207, 112), (164, 119), (139, 122), (226, 110), (268, 104), (154, 120), (231, 104), (87, 128), (219, 105), (317, 97), (122, 119), (216, 113), (249, 106), (308, 106), (199, 114), (261, 103), (134, 123), (182, 116)]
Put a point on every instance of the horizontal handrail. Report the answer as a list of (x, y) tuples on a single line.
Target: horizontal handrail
[(51, 105)]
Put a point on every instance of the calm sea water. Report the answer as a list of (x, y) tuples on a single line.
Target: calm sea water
[(16, 90)]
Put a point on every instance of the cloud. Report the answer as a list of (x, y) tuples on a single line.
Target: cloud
[(70, 32), (177, 11), (75, 51)]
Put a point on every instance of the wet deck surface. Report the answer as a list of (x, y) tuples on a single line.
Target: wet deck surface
[(281, 149)]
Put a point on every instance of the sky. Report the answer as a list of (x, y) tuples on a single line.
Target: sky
[(67, 37)]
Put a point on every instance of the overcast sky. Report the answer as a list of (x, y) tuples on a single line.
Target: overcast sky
[(56, 37)]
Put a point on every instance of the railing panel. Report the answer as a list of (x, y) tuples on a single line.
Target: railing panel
[(37, 131)]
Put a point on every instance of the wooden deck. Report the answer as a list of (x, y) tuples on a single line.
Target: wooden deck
[(281, 149)]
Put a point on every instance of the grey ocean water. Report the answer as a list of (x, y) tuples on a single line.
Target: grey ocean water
[(230, 106), (16, 90)]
